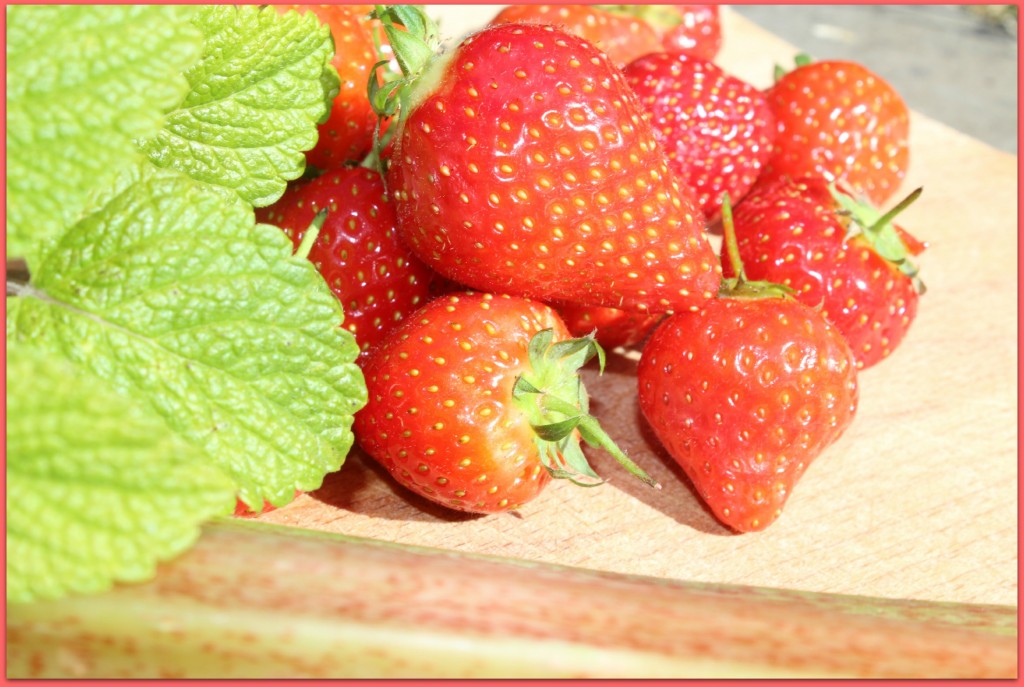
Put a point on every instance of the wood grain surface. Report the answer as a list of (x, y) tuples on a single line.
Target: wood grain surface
[(917, 500)]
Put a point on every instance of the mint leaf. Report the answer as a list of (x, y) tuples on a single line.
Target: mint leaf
[(98, 488), (82, 83), (254, 101), (179, 300)]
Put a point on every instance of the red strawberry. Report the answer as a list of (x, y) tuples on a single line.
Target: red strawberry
[(844, 122), (622, 36), (745, 394), (376, 278), (717, 129), (526, 166), (347, 135), (610, 326), (837, 255), (698, 33), (474, 403)]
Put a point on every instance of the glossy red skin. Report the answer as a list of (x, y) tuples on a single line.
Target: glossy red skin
[(698, 34), (744, 395), (440, 417), (789, 232), (530, 170), (347, 135), (622, 37), (375, 277), (613, 328), (716, 129), (842, 121)]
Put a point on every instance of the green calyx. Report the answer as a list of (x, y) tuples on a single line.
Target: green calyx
[(414, 40), (554, 399), (739, 286), (801, 60), (869, 225)]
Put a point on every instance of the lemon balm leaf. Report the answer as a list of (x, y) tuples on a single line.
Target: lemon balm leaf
[(98, 487), (255, 97), (82, 83), (181, 301)]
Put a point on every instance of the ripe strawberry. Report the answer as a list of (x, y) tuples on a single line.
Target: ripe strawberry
[(525, 166), (745, 394), (717, 129), (841, 121), (622, 36), (836, 253), (376, 278), (474, 403), (347, 135), (698, 33), (610, 326)]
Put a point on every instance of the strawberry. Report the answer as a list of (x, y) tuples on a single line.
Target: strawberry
[(842, 121), (375, 277), (475, 403), (717, 129), (613, 328), (622, 36), (836, 253), (745, 394), (524, 165), (698, 32), (347, 135)]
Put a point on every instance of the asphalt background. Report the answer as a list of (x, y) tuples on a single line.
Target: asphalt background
[(954, 63)]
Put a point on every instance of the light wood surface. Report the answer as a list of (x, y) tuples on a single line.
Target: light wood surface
[(917, 500)]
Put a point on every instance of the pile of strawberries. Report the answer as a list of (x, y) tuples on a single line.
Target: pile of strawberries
[(557, 182)]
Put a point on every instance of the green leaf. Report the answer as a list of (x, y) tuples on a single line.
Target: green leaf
[(178, 299), (82, 83), (255, 98), (558, 430), (576, 469), (98, 488)]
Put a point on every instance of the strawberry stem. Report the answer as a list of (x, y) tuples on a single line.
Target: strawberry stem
[(739, 286), (732, 247), (888, 217), (309, 238)]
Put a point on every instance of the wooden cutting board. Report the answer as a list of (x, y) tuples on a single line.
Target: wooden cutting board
[(917, 500)]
